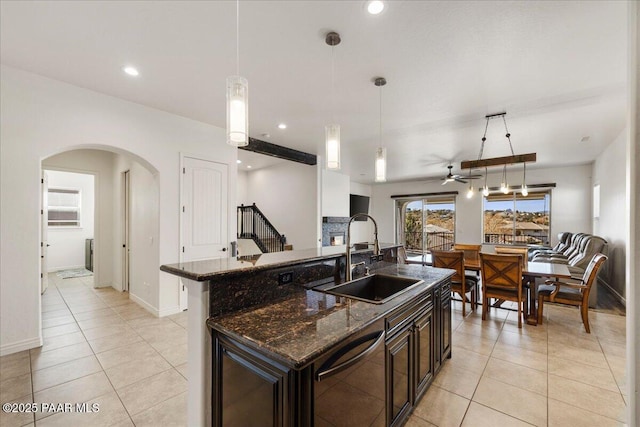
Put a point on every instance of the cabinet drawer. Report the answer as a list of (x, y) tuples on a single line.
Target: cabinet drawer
[(397, 319), (445, 290)]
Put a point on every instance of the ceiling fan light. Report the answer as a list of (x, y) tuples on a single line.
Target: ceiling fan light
[(485, 191)]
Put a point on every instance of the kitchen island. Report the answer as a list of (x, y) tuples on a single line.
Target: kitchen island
[(269, 319)]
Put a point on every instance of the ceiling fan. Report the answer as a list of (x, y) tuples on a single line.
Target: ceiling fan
[(458, 178)]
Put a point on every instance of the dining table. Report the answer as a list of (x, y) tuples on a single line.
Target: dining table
[(540, 270)]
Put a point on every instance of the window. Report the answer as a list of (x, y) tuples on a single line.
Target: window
[(515, 219), (64, 207), (425, 224)]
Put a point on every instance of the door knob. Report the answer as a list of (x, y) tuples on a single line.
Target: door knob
[(224, 249)]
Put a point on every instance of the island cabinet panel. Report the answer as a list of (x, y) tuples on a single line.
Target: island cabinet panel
[(248, 389), (399, 372), (424, 339)]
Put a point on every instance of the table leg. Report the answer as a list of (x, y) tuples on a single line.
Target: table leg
[(532, 315)]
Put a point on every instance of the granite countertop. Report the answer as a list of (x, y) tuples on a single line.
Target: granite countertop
[(207, 269), (301, 326)]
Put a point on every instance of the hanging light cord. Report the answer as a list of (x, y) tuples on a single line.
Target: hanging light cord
[(333, 85), (484, 138), (237, 37), (508, 135), (380, 115)]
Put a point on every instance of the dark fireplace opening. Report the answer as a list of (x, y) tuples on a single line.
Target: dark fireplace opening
[(336, 238)]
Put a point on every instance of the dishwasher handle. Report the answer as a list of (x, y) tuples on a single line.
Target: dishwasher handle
[(326, 370)]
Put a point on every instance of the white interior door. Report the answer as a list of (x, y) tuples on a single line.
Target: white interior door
[(44, 225), (204, 212)]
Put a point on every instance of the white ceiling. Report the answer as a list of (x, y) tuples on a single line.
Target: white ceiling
[(558, 68)]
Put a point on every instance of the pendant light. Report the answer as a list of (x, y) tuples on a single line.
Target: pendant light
[(332, 131), (524, 190), (381, 152), (504, 187), (485, 189), (470, 190), (237, 99)]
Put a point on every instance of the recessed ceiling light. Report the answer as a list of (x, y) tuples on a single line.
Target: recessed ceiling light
[(282, 126), (238, 161), (585, 139), (248, 166), (265, 135), (132, 71), (375, 7)]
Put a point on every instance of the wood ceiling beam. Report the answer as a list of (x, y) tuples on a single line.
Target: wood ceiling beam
[(269, 149), (498, 161)]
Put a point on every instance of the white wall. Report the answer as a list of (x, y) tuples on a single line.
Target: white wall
[(99, 163), (287, 194), (67, 244), (570, 201), (42, 117), (144, 232), (609, 173), (335, 194)]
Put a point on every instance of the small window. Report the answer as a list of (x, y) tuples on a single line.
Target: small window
[(63, 207)]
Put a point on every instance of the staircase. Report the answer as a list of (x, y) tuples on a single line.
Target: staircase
[(254, 225)]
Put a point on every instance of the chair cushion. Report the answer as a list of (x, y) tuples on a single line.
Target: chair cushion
[(564, 293)]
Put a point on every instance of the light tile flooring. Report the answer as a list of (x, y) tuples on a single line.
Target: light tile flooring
[(102, 348), (99, 347)]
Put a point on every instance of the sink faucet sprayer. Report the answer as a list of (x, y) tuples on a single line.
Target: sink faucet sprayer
[(376, 246)]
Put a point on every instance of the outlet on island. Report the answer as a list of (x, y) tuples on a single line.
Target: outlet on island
[(285, 278)]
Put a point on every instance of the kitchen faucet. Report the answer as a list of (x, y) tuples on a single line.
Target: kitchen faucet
[(376, 246)]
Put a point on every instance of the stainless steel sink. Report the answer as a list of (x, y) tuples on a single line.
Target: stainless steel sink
[(375, 288)]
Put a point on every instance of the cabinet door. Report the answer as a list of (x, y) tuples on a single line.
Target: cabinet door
[(399, 375), (424, 340), (437, 333), (247, 389), (445, 336)]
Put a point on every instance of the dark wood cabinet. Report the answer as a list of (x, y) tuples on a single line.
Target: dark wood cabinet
[(399, 366), (249, 388)]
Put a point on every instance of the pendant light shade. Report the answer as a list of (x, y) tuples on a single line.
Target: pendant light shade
[(381, 152), (332, 131), (332, 143), (237, 99), (237, 111), (485, 189), (524, 190), (381, 164), (504, 187)]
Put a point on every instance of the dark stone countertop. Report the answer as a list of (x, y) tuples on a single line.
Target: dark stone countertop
[(301, 326), (204, 270)]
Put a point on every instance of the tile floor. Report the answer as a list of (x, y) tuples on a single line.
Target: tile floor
[(102, 348)]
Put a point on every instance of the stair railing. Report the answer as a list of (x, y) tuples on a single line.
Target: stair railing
[(253, 224)]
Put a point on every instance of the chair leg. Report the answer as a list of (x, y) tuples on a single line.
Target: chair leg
[(540, 307), (474, 298), (584, 311), (485, 304), (464, 299), (520, 313)]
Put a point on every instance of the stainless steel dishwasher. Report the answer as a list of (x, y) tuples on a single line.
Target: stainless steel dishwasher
[(349, 382)]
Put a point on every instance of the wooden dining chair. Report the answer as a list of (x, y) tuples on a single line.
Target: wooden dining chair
[(572, 292), (502, 279), (459, 282), (403, 259), (471, 252), (515, 250)]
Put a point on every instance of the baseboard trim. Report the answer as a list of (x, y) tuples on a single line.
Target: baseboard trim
[(615, 293), (151, 309), (170, 310), (20, 346)]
